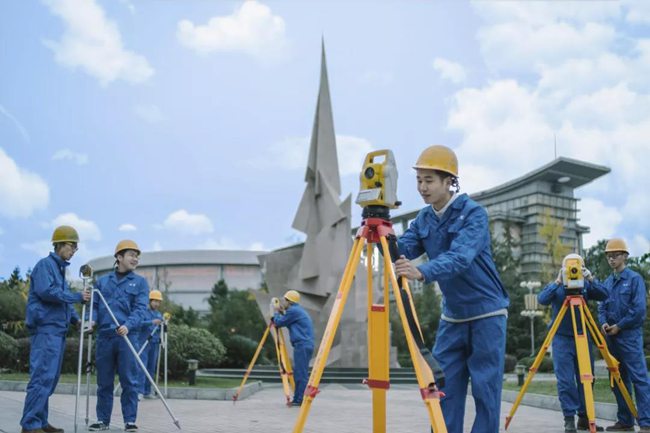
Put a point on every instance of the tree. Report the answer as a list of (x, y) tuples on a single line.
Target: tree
[(551, 232), (13, 301)]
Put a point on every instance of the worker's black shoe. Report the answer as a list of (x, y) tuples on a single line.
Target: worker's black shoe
[(98, 426), (569, 424), (583, 424), (620, 427), (51, 429), (129, 426)]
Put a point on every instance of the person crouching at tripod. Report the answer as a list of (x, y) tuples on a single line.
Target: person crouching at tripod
[(301, 335), (565, 357), (126, 294), (152, 320), (453, 231), (621, 318), (49, 312)]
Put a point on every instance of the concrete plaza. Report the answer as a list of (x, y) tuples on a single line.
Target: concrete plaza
[(336, 409)]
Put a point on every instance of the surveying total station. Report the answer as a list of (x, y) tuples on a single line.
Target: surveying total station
[(572, 277), (377, 195)]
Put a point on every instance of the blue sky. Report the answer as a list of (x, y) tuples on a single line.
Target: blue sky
[(185, 124)]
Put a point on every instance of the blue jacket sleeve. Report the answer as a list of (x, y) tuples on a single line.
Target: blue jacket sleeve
[(550, 293), (285, 319), (409, 243), (595, 290), (637, 308), (466, 245), (140, 307), (47, 289)]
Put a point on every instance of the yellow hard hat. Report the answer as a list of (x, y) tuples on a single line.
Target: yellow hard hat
[(616, 244), (292, 296), (155, 295), (65, 234), (126, 244), (439, 158)]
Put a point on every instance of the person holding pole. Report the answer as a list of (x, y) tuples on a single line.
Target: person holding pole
[(126, 294), (565, 356), (49, 312), (621, 317), (151, 332), (301, 335), (453, 231)]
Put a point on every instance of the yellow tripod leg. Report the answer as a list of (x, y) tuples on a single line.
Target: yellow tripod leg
[(538, 360), (584, 360), (286, 361), (378, 353), (430, 394), (252, 363), (328, 335), (612, 363), (281, 353)]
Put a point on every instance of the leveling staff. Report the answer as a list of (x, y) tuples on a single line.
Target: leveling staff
[(471, 339), (565, 358)]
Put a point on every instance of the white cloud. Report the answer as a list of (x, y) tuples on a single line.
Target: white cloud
[(449, 70), (638, 11), (17, 124), (224, 243), (40, 248), (189, 224), (639, 245), (252, 28), (602, 220), (127, 228), (150, 113), (21, 192), (67, 154), (88, 230), (93, 43), (292, 153)]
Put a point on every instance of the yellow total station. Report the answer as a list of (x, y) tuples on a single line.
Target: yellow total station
[(378, 180)]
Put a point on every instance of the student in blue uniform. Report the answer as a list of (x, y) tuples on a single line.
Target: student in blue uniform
[(152, 320), (301, 335), (470, 344), (49, 312), (621, 317), (126, 294), (565, 357)]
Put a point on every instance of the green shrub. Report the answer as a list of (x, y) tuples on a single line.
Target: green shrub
[(510, 363), (8, 351), (22, 356), (545, 367), (192, 343), (240, 351)]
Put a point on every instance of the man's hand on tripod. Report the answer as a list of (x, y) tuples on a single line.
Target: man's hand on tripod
[(404, 268)]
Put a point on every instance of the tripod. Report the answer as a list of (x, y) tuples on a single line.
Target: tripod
[(86, 273), (162, 350), (284, 363), (376, 228), (578, 303)]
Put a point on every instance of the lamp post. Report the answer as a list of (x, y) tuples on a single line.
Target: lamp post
[(531, 309)]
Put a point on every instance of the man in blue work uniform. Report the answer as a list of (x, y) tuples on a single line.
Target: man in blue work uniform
[(453, 231), (621, 317), (565, 357), (49, 312), (301, 335), (126, 294), (151, 322)]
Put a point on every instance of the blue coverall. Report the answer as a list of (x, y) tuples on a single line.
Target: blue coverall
[(49, 311), (626, 307), (128, 300), (301, 335), (149, 355), (565, 357), (471, 336)]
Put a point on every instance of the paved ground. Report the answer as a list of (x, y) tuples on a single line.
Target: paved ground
[(336, 409)]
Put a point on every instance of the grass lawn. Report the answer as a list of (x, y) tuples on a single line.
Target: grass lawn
[(602, 391), (201, 382)]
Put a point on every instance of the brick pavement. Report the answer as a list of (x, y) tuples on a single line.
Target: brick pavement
[(336, 409)]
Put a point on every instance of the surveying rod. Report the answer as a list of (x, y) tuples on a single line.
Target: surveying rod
[(86, 272), (137, 358), (144, 346)]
